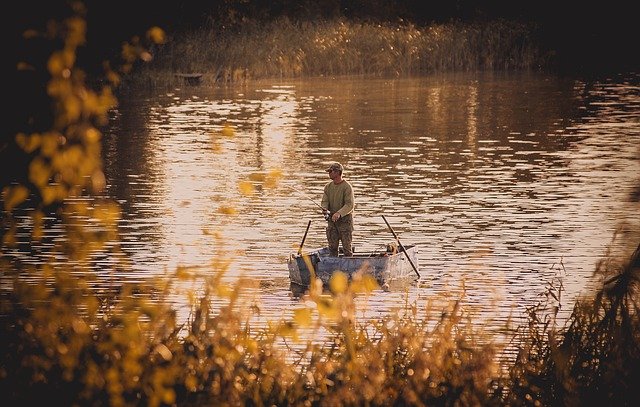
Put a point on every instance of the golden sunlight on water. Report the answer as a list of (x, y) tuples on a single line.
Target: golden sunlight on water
[(504, 181)]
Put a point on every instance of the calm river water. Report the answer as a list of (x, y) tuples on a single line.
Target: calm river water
[(499, 178)]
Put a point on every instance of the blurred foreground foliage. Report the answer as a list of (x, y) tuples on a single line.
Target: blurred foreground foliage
[(66, 343)]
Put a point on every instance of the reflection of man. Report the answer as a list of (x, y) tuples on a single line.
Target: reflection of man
[(337, 204)]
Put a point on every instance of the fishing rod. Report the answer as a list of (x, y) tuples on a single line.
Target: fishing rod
[(304, 196), (325, 213)]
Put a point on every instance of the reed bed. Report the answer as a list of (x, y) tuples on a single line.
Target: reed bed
[(286, 49), (64, 343), (594, 359)]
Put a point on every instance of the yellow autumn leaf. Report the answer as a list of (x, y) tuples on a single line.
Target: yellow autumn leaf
[(276, 173), (220, 265), (73, 108), (9, 238), (69, 58), (272, 178), (49, 143), (126, 68), (366, 284), (216, 146), (49, 194), (28, 143), (106, 100), (327, 308), (257, 176), (227, 131), (157, 35), (246, 187), (37, 217), (98, 181), (90, 104), (339, 282), (168, 396), (287, 329), (61, 192), (183, 273), (67, 160), (227, 210), (37, 232), (113, 78), (309, 264), (191, 383), (224, 291), (270, 183), (302, 316), (107, 212), (76, 28), (58, 87), (56, 65), (129, 52), (39, 172), (14, 196)]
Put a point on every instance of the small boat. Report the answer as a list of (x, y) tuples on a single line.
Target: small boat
[(385, 265), (192, 79)]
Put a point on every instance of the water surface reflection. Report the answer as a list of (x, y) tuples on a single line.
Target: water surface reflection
[(499, 178)]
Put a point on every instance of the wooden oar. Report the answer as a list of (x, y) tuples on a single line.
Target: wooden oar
[(401, 246), (304, 238)]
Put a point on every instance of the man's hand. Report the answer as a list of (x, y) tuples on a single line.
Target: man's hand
[(336, 216)]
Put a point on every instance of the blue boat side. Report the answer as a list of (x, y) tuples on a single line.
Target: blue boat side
[(384, 267)]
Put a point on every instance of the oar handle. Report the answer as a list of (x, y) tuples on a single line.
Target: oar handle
[(401, 246), (304, 238)]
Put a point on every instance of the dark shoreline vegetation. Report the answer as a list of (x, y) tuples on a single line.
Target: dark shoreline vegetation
[(67, 343), (339, 47)]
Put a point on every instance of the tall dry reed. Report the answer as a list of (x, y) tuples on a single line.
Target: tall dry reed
[(340, 47)]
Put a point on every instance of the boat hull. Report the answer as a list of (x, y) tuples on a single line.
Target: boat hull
[(384, 267)]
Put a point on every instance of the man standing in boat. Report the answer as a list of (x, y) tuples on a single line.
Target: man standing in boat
[(337, 205)]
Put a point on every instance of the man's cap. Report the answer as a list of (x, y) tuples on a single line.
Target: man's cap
[(335, 166)]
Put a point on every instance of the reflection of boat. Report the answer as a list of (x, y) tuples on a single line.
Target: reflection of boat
[(384, 266)]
